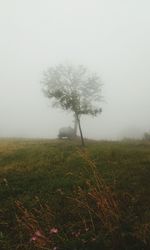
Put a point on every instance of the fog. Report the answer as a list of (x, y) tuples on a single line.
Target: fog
[(109, 37)]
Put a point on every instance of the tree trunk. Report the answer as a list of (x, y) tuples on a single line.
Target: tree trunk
[(81, 134), (75, 125)]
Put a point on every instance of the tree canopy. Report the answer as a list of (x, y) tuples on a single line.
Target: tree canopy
[(73, 88)]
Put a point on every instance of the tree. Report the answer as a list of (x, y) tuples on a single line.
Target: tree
[(146, 136), (75, 89)]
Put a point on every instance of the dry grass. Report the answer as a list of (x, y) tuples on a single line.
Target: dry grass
[(57, 196), (100, 194)]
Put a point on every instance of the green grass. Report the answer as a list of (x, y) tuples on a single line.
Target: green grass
[(52, 175)]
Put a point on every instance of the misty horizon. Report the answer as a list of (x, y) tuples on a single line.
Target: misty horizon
[(110, 38)]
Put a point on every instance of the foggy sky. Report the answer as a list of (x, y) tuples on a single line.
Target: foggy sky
[(111, 38)]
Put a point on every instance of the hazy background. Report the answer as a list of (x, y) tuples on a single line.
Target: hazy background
[(111, 37)]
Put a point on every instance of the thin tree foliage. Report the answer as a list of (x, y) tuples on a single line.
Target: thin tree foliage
[(73, 88)]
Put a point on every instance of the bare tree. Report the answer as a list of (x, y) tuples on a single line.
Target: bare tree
[(73, 88)]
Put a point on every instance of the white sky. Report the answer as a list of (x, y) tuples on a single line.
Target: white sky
[(109, 37)]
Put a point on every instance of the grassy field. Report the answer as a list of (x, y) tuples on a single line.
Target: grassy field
[(55, 195)]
